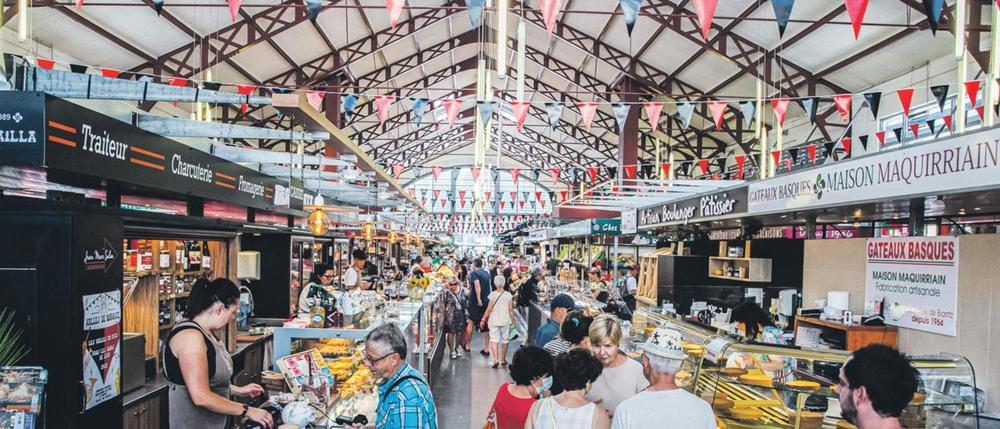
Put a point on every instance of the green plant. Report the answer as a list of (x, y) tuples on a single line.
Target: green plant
[(11, 352)]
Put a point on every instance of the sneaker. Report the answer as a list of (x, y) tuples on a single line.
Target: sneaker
[(454, 355), (459, 353)]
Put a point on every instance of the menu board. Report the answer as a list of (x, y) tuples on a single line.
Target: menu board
[(917, 277), (102, 318)]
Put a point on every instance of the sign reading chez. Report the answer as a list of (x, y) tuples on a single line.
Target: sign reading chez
[(606, 226), (733, 201), (966, 161)]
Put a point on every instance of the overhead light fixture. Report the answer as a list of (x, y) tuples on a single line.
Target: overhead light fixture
[(958, 16), (977, 209), (22, 20), (319, 222), (501, 39)]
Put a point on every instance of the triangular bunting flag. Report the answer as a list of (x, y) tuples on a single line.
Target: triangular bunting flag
[(740, 161), (653, 110), (828, 149), (809, 106), (880, 135), (461, 195), (234, 8), (382, 102), (475, 173), (646, 171), (782, 11), (864, 142), (451, 106), (843, 102), (394, 8), (543, 204), (718, 109), (873, 99), (587, 111), (666, 169), (158, 6), (514, 174), (535, 174), (947, 121), (437, 194), (315, 99), (593, 174), (748, 109), (972, 91), (932, 8), (856, 10), (846, 142), (78, 68), (348, 103), (313, 6), (550, 12), (612, 172), (513, 196), (705, 9), (915, 130), (811, 150), (685, 110), (110, 73), (793, 155), (45, 63), (419, 105), (521, 203), (630, 10), (905, 99), (436, 171), (898, 132), (780, 106), (485, 110), (461, 202), (443, 202), (554, 110), (629, 171), (412, 192), (538, 196), (554, 172), (621, 113), (487, 194), (776, 156), (941, 94), (520, 109), (397, 170), (475, 8), (502, 204), (703, 163), (178, 81)]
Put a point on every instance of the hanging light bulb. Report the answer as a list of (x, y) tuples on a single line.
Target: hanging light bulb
[(368, 231), (22, 20), (501, 39), (318, 222)]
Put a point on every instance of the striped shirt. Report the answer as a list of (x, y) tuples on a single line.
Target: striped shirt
[(557, 346), (409, 405)]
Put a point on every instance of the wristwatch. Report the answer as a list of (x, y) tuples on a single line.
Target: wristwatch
[(245, 408)]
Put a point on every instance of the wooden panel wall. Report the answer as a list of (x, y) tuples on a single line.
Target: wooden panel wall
[(840, 264), (142, 313)]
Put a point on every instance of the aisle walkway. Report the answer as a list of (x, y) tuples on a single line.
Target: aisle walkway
[(465, 388)]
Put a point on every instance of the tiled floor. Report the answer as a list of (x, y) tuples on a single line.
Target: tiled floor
[(466, 386)]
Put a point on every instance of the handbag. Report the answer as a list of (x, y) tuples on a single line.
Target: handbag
[(491, 418)]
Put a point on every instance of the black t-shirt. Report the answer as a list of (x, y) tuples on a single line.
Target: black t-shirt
[(485, 286), (552, 265), (528, 292)]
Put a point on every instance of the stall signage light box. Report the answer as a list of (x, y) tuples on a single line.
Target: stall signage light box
[(706, 207), (606, 226), (963, 163)]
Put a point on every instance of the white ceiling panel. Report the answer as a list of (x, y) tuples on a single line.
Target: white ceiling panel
[(54, 29), (303, 43)]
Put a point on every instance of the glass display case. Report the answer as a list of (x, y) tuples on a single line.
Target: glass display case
[(696, 338), (757, 386)]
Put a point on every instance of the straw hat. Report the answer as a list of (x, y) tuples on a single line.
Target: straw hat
[(665, 343)]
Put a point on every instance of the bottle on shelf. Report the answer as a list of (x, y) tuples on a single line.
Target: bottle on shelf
[(164, 256), (146, 255), (194, 256), (206, 256)]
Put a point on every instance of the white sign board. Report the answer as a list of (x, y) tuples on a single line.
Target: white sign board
[(629, 219), (963, 162), (918, 279)]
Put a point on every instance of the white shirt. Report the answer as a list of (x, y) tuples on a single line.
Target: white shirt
[(665, 409), (630, 284), (501, 308), (618, 384), (350, 276), (349, 302)]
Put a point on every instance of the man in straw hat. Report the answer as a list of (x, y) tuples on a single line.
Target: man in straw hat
[(663, 404)]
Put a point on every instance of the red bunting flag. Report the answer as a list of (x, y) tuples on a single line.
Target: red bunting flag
[(482, 203), (437, 193), (244, 90), (513, 196), (436, 171), (520, 109), (653, 110), (718, 109), (451, 106), (543, 204), (514, 174), (521, 203), (462, 203), (502, 204), (905, 98), (947, 121), (397, 169), (972, 90), (811, 150), (110, 73), (394, 8), (555, 175), (587, 111), (411, 191), (843, 102), (776, 155), (538, 196), (915, 129), (475, 173), (563, 195), (234, 8), (383, 102), (880, 135), (703, 163), (856, 10), (847, 145), (780, 106), (629, 171), (178, 81), (705, 9), (315, 99), (981, 112), (593, 173), (550, 11), (79, 4), (45, 63), (488, 194), (666, 169), (443, 202), (740, 161)]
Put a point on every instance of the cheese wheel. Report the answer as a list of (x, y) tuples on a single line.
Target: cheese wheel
[(745, 413), (732, 372), (722, 404), (809, 386), (756, 380), (809, 420)]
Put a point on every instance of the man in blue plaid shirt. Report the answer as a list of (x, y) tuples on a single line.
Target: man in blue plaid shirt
[(404, 398)]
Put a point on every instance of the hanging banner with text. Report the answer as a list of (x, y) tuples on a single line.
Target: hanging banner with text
[(918, 279)]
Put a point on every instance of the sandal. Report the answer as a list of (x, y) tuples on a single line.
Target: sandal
[(503, 363), (484, 352), (495, 365)]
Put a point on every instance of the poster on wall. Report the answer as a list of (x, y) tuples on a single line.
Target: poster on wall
[(918, 279), (629, 221), (102, 318)]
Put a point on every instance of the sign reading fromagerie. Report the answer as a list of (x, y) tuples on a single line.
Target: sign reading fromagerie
[(75, 139), (963, 162), (695, 209), (917, 280)]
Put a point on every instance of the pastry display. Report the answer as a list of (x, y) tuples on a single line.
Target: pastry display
[(745, 413), (809, 420), (805, 385), (722, 404), (334, 346), (732, 372), (756, 380)]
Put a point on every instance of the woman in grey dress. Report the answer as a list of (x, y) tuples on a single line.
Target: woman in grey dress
[(198, 366)]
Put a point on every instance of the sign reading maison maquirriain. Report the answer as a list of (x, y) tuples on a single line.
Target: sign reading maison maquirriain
[(723, 203), (962, 162)]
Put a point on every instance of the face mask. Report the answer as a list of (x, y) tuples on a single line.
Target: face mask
[(546, 385)]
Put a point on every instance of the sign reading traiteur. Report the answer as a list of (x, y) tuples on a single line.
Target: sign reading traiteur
[(918, 278)]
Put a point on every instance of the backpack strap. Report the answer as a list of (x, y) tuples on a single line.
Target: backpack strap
[(171, 365)]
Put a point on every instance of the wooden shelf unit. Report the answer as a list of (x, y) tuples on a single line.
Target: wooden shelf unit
[(647, 293), (856, 336), (754, 269)]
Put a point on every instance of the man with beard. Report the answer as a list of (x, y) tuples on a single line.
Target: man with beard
[(876, 384)]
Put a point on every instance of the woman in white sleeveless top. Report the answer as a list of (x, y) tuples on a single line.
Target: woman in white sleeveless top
[(576, 371)]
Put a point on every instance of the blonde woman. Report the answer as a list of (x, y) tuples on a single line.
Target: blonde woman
[(622, 377)]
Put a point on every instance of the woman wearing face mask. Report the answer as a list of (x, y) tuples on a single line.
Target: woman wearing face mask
[(622, 377), (576, 371), (531, 371)]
